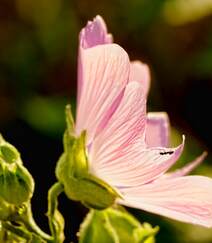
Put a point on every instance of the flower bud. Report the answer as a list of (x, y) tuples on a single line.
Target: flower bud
[(6, 209), (114, 225), (73, 172), (16, 183)]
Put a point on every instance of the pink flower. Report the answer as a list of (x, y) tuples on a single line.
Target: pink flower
[(126, 147)]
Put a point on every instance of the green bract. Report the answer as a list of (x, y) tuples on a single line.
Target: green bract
[(73, 172), (115, 226), (16, 183)]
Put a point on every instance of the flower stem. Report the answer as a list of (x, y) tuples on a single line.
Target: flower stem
[(27, 219), (24, 215), (56, 221), (20, 232), (53, 194)]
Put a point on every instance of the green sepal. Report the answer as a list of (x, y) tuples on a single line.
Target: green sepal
[(91, 193), (16, 183), (76, 155), (6, 209), (74, 148), (69, 119), (146, 233), (68, 137), (97, 228), (73, 172), (90, 190), (8, 152), (115, 226)]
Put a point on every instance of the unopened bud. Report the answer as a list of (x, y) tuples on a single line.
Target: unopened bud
[(16, 183), (115, 225)]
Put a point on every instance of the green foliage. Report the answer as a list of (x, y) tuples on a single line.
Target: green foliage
[(45, 114)]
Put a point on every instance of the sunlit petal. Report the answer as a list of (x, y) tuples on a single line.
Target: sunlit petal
[(139, 165), (105, 73), (139, 72), (187, 199), (187, 168), (125, 128)]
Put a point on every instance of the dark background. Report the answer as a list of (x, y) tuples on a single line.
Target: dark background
[(38, 63)]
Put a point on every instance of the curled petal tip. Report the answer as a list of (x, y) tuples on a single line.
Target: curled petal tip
[(181, 146), (99, 19), (94, 33), (183, 137)]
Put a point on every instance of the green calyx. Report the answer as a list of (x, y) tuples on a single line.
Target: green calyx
[(8, 152), (16, 183), (73, 172), (115, 225), (6, 209)]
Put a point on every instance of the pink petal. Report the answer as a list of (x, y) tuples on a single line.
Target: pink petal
[(188, 199), (139, 165), (105, 73), (93, 34), (139, 72), (157, 132), (187, 168), (126, 127)]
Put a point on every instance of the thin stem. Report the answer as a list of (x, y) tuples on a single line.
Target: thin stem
[(16, 230), (53, 194), (27, 219), (56, 221)]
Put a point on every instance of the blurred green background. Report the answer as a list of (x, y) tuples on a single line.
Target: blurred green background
[(38, 63)]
